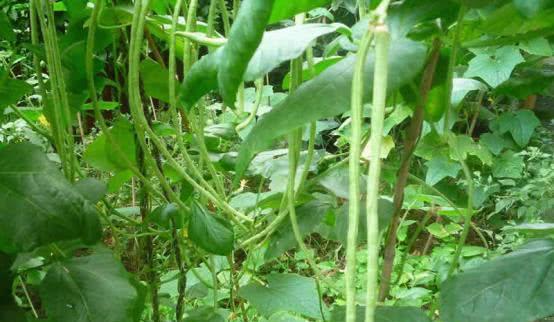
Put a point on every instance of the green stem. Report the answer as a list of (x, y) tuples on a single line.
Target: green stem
[(382, 44), (467, 218), (451, 66), (32, 124), (354, 175), (257, 103)]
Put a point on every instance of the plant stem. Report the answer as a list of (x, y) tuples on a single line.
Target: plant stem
[(354, 175), (451, 65), (410, 143), (382, 44), (467, 218), (257, 103)]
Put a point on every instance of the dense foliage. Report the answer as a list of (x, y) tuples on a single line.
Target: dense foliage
[(276, 160)]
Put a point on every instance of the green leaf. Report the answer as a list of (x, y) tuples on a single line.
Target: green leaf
[(327, 95), (495, 143), (494, 66), (213, 234), (462, 145), (531, 8), (384, 314), (93, 288), (201, 79), (285, 317), (11, 90), (204, 314), (284, 9), (521, 125), (462, 87), (103, 155), (403, 17), (531, 82), (309, 216), (508, 165), (6, 30), (537, 46), (244, 38), (285, 44), (338, 230), (441, 167), (92, 189), (511, 288), (284, 292), (155, 79), (38, 205), (537, 229), (318, 68)]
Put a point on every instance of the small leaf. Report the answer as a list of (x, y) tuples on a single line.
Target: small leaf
[(244, 38), (521, 125), (283, 9), (155, 80), (93, 288), (495, 143), (496, 65), (518, 285), (213, 234), (11, 90), (6, 29), (439, 168), (106, 156), (508, 165), (38, 205), (384, 314), (285, 44), (92, 189), (309, 216), (284, 292), (204, 314)]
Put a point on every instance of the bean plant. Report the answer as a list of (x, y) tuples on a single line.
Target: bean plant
[(275, 160)]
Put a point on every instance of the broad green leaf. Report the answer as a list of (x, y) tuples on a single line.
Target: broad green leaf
[(462, 87), (201, 79), (309, 217), (284, 9), (6, 30), (155, 79), (462, 145), (94, 288), (327, 95), (538, 229), (38, 205), (531, 8), (318, 68), (476, 3), (508, 165), (204, 314), (441, 167), (511, 288), (494, 66), (285, 44), (402, 17), (384, 314), (537, 46), (213, 234), (102, 105), (527, 83), (11, 90), (495, 143), (338, 230), (244, 38), (284, 292), (521, 125), (92, 189), (285, 317), (104, 155)]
